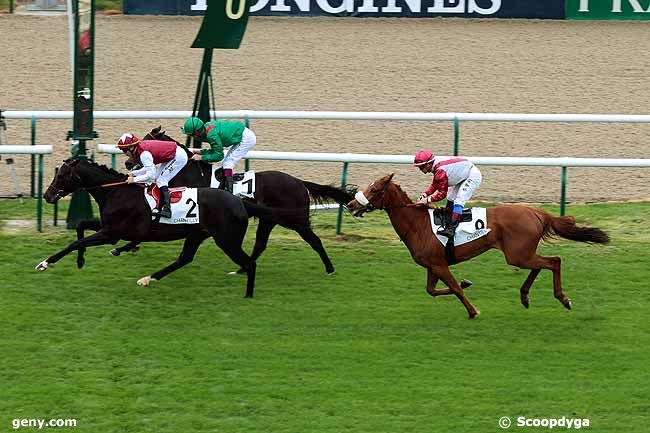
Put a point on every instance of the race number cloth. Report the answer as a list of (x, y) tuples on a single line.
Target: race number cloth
[(466, 231), (184, 205), (243, 183)]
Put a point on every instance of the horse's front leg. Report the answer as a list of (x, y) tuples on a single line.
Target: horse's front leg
[(99, 238), (432, 280), (82, 226)]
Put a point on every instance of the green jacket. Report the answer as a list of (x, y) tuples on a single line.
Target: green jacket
[(220, 134)]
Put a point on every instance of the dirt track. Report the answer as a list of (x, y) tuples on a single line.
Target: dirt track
[(429, 65)]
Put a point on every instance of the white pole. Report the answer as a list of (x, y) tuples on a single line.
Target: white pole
[(71, 38)]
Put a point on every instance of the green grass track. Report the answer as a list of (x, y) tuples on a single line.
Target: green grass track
[(364, 350)]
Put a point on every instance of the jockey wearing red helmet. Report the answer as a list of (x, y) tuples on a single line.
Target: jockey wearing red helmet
[(170, 158), (454, 178)]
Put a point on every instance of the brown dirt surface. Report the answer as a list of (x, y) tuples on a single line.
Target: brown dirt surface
[(348, 64)]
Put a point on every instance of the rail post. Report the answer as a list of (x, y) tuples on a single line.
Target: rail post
[(563, 193), (456, 135), (39, 203), (344, 181), (33, 157)]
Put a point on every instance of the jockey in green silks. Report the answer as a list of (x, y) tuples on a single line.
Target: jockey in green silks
[(221, 134)]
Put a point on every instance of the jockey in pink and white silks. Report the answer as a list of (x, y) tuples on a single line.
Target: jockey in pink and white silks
[(170, 158), (454, 178)]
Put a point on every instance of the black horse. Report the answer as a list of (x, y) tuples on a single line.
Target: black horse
[(272, 188), (125, 215)]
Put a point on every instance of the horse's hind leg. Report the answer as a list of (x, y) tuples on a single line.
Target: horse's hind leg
[(314, 241), (536, 263), (525, 288), (191, 245), (445, 275), (131, 246)]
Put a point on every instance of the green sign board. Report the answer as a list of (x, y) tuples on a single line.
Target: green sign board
[(608, 9), (223, 25), (84, 69)]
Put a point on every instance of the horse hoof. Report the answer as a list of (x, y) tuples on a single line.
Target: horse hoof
[(42, 266), (476, 314), (567, 303), (145, 281), (332, 272), (135, 249), (115, 252), (464, 284), (80, 264), (524, 302)]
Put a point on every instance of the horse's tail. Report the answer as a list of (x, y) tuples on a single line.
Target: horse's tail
[(566, 227), (291, 218), (322, 193)]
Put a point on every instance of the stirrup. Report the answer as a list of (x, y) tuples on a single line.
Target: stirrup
[(166, 212), (448, 232)]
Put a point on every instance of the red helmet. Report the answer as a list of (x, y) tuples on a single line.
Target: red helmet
[(423, 157), (127, 140)]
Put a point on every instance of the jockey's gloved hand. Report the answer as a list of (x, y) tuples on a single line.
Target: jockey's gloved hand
[(422, 196)]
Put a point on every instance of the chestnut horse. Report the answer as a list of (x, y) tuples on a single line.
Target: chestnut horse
[(515, 230)]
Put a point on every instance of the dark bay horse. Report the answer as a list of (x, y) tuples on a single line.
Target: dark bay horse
[(125, 215), (273, 188), (515, 230)]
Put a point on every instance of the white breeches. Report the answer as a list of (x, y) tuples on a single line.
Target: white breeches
[(238, 151), (461, 193), (167, 170)]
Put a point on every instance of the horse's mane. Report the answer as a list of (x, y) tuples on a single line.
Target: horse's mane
[(401, 192), (97, 166)]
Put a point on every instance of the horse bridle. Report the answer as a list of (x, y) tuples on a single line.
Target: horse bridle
[(363, 200), (60, 192), (369, 207)]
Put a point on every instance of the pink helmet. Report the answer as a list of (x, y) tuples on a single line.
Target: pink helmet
[(423, 157), (127, 140)]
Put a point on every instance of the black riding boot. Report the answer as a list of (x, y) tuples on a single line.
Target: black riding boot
[(163, 209), (450, 229), (227, 183)]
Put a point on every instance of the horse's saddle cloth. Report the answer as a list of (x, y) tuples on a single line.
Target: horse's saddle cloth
[(243, 183), (473, 225), (183, 203)]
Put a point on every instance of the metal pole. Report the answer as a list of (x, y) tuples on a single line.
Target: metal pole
[(39, 204), (456, 135), (563, 193), (33, 158), (344, 181), (56, 204), (11, 6), (247, 122), (113, 161)]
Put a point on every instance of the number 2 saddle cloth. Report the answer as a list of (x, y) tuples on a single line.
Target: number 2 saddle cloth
[(183, 203), (473, 225)]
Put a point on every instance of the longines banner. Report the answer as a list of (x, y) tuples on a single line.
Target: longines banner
[(608, 9), (548, 9)]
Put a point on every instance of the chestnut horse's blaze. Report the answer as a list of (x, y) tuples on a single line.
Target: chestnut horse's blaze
[(516, 231)]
